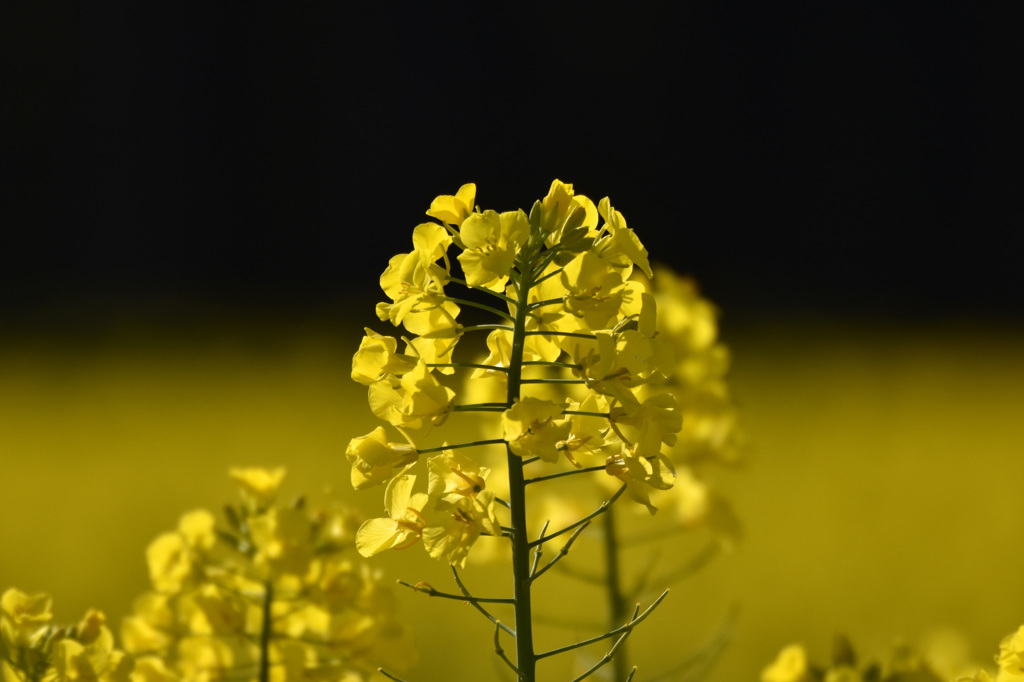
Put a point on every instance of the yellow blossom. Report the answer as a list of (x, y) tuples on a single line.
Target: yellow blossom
[(420, 397), (453, 475), (491, 242), (23, 616), (461, 524), (1011, 653), (621, 246), (259, 485), (454, 209), (404, 523), (641, 475), (374, 459), (790, 666), (377, 359), (531, 428)]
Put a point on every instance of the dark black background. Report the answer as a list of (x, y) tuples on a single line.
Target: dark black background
[(830, 160)]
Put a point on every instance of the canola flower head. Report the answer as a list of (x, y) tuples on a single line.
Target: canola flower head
[(558, 280), (285, 574)]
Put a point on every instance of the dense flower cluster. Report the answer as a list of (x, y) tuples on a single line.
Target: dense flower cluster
[(567, 306), (277, 595), (33, 649), (792, 665)]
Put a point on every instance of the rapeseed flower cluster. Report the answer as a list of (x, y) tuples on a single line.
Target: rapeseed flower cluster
[(903, 665), (34, 649), (568, 304), (568, 314), (279, 595), (276, 595)]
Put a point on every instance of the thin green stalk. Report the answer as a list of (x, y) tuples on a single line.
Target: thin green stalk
[(481, 306), (456, 446), (560, 474), (526, 661), (268, 624), (467, 365), (490, 292), (616, 599)]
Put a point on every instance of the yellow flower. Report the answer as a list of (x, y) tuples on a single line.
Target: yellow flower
[(420, 397), (404, 523), (172, 557), (1011, 653), (648, 424), (454, 209), (374, 459), (565, 216), (588, 435), (790, 666), (843, 673), (431, 241), (531, 429), (490, 242), (621, 246), (377, 359), (462, 523), (594, 291), (284, 542), (413, 283), (453, 475), (641, 475), (258, 485), (89, 658), (23, 617), (152, 669)]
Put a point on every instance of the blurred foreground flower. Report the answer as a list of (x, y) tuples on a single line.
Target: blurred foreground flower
[(32, 649), (279, 594)]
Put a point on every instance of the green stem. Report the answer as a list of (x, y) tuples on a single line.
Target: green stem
[(617, 610), (526, 661), (268, 600), (490, 292), (456, 446), (551, 332), (467, 365), (481, 306), (488, 327), (560, 474)]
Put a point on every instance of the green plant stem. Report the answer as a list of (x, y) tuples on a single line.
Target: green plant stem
[(456, 446), (526, 661), (268, 624), (481, 306), (616, 599)]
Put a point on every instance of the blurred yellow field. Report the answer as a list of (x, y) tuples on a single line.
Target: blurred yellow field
[(880, 497)]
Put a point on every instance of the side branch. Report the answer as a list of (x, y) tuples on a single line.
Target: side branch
[(490, 292), (456, 446), (549, 332), (571, 472), (431, 592), (600, 510), (467, 365), (498, 623), (561, 553), (628, 627)]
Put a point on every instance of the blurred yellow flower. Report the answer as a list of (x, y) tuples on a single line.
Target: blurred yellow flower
[(790, 666), (260, 485)]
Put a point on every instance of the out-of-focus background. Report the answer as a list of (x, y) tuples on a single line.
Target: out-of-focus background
[(196, 204)]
